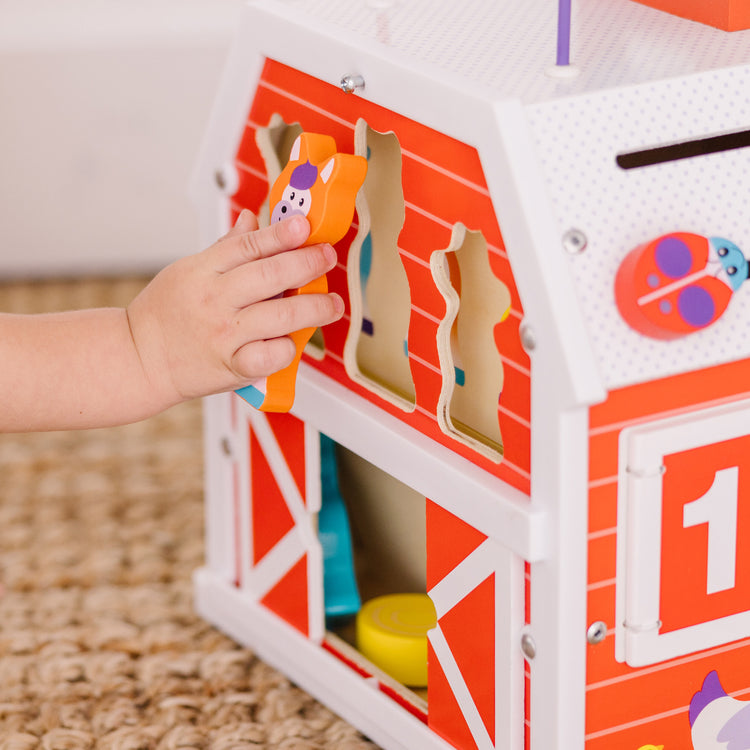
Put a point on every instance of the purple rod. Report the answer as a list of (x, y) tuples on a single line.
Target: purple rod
[(563, 32)]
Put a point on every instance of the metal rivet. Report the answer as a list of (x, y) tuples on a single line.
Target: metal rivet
[(528, 337), (528, 646), (349, 84), (226, 179), (574, 241), (226, 446), (597, 632)]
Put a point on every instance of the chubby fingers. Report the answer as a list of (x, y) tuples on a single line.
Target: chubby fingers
[(284, 315), (268, 277), (247, 221), (262, 343), (259, 359), (245, 243)]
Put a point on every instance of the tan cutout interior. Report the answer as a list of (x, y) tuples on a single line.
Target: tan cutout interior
[(389, 539), (375, 354), (275, 144), (387, 520), (472, 369)]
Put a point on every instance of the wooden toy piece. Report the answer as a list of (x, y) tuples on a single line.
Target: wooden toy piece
[(729, 15), (392, 634), (322, 185), (340, 591), (274, 144), (678, 283)]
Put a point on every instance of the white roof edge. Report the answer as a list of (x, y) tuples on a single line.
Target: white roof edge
[(418, 95), (542, 274), (224, 130)]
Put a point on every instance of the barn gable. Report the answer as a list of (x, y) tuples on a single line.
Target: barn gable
[(443, 189), (476, 172)]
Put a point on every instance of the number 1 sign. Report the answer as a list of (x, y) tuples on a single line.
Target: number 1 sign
[(683, 569)]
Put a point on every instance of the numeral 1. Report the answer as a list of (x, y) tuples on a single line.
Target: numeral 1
[(718, 508)]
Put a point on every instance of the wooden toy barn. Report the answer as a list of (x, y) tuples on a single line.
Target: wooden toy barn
[(536, 409)]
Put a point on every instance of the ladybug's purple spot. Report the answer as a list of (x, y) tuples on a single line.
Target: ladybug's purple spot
[(673, 257), (696, 306), (652, 280), (665, 306), (303, 177)]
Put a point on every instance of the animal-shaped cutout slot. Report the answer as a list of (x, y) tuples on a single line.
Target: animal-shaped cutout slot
[(376, 351), (472, 369), (678, 283), (321, 184), (275, 143)]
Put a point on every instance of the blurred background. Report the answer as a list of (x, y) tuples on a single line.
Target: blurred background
[(103, 105)]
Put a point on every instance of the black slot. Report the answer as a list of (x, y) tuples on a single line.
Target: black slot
[(683, 150)]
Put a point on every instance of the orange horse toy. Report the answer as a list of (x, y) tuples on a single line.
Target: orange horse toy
[(322, 185)]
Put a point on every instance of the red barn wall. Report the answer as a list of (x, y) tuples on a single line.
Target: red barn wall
[(629, 707), (443, 184)]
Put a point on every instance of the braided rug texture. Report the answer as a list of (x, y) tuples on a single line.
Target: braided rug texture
[(100, 532)]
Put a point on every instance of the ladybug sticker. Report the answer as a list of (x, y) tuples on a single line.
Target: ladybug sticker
[(678, 283)]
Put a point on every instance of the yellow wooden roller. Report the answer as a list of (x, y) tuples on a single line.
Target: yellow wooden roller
[(392, 634)]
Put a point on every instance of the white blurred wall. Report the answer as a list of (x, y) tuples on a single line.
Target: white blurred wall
[(103, 104)]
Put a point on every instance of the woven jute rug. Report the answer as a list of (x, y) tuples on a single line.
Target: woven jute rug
[(100, 532)]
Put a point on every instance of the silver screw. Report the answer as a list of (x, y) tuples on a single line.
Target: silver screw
[(528, 337), (528, 646), (226, 446), (226, 179), (597, 632), (574, 241), (349, 84)]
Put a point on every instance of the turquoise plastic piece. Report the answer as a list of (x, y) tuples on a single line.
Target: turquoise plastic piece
[(340, 592)]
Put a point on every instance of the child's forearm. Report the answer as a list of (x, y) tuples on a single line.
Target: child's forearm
[(208, 323), (72, 370)]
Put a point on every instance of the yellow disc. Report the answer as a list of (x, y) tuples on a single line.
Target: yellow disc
[(392, 634)]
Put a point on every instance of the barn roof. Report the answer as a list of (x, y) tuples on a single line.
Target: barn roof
[(478, 71), (508, 45)]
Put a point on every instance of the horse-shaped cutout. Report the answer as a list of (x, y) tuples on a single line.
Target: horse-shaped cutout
[(321, 184)]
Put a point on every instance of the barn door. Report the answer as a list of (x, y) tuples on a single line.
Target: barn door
[(281, 554), (475, 669), (683, 575)]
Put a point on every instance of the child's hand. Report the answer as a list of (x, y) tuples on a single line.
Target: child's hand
[(213, 322)]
